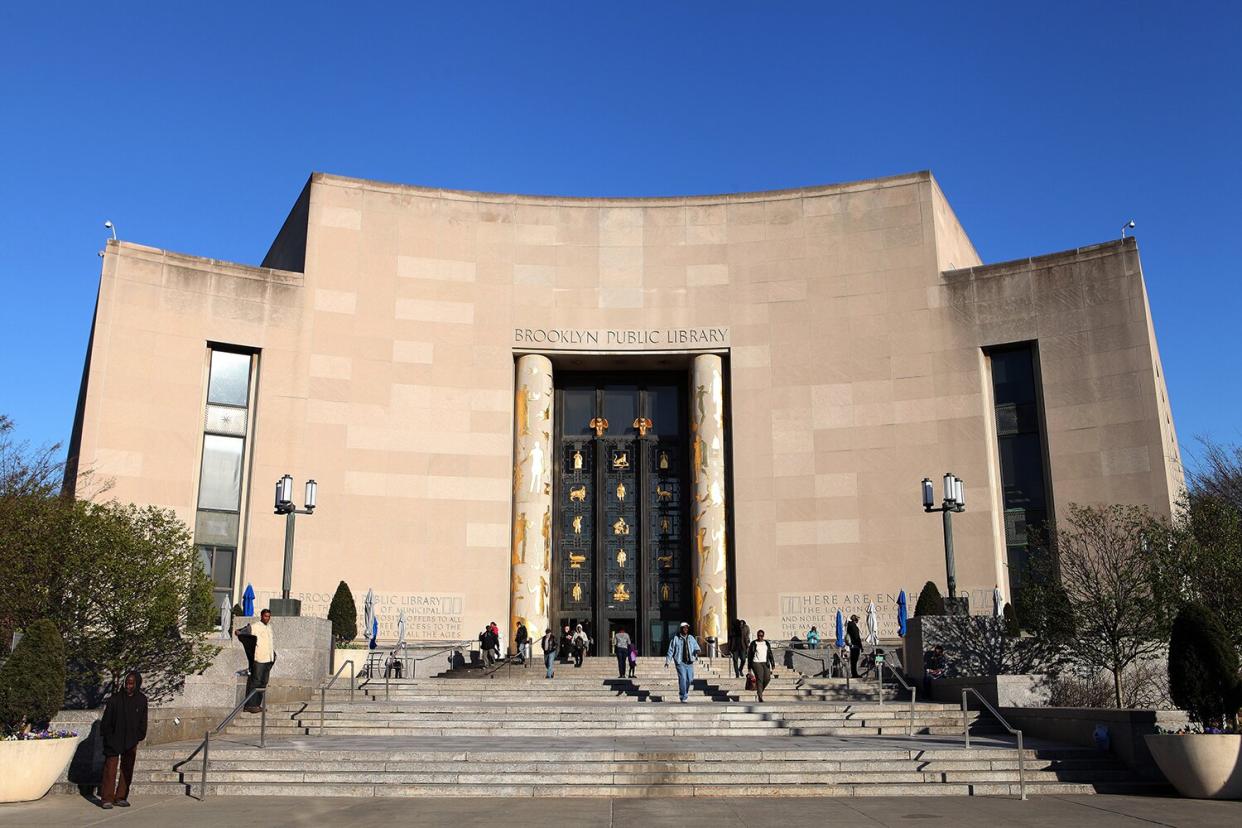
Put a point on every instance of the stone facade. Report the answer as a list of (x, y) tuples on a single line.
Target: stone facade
[(850, 323)]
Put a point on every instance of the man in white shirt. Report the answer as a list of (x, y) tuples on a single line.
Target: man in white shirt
[(761, 660), (261, 648)]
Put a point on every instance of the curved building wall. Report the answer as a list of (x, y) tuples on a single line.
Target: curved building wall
[(852, 323)]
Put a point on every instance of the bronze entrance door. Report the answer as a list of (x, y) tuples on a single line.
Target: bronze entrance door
[(620, 525)]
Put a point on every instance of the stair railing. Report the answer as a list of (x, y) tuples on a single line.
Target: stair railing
[(900, 680), (326, 686), (1012, 730), (205, 745)]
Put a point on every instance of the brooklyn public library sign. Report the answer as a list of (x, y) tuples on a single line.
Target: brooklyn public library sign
[(621, 339)]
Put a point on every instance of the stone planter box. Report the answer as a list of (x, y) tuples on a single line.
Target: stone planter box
[(31, 766), (1200, 766)]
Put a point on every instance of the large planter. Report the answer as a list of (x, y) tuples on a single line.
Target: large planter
[(32, 766), (1201, 766)]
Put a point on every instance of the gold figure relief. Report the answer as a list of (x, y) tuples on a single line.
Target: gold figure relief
[(599, 424), (703, 550), (663, 494), (543, 595), (664, 592), (577, 524), (519, 539), (700, 394), (577, 460), (520, 411), (576, 561), (621, 491), (664, 461), (664, 525), (621, 558), (576, 592), (620, 594), (643, 424), (620, 527), (621, 460), (546, 531), (578, 494), (666, 561), (699, 461)]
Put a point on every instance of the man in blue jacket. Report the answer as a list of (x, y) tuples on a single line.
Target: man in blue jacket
[(683, 651)]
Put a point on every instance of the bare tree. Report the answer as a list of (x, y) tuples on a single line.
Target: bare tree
[(1219, 474), (1104, 556)]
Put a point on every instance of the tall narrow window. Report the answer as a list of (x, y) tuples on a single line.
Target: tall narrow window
[(1020, 444), (222, 476)]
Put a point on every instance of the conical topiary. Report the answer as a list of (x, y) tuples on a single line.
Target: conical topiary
[(1203, 667), (930, 602), (343, 614), (32, 681)]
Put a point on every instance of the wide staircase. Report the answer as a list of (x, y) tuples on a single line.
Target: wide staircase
[(512, 732)]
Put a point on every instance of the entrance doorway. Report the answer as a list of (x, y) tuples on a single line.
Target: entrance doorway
[(620, 512)]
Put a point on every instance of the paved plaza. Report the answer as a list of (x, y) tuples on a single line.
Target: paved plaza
[(757, 812)]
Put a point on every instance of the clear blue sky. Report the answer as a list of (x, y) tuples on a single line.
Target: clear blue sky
[(195, 127)]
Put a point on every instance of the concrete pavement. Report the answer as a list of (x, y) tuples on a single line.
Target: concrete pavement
[(972, 812)]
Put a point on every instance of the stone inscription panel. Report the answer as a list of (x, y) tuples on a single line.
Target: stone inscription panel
[(622, 339), (800, 610), (428, 616)]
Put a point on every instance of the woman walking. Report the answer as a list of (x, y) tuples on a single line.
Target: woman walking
[(621, 643), (761, 660), (549, 644)]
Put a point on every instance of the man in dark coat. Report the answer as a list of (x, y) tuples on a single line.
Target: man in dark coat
[(124, 725), (739, 645), (854, 637)]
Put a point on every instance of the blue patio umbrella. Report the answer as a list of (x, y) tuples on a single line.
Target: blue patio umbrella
[(248, 601), (901, 613), (840, 631)]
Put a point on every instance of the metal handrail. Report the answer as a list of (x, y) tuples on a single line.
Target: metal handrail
[(204, 745), (323, 689), (1012, 731), (824, 667), (913, 691)]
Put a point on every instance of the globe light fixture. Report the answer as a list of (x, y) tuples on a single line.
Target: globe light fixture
[(284, 505), (953, 500)]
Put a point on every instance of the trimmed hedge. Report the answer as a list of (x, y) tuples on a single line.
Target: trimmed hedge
[(1203, 667), (930, 601), (32, 681), (343, 614)]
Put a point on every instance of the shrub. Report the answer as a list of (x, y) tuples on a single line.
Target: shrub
[(930, 602), (32, 681), (1203, 667), (343, 614)]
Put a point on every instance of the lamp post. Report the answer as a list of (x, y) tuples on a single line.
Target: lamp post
[(285, 506), (953, 500)]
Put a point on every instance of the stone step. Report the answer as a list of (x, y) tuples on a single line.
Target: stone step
[(651, 791)]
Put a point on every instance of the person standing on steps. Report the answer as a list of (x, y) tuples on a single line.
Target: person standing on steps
[(260, 646), (549, 645), (761, 660), (621, 643), (812, 639), (683, 651), (521, 638), (854, 637), (124, 725), (567, 645), (633, 658), (739, 645), (580, 643)]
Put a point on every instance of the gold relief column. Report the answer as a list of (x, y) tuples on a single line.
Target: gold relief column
[(708, 472), (531, 573)]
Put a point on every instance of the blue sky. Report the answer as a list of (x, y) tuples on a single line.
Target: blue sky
[(194, 128)]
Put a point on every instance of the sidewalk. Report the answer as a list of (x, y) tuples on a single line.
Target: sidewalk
[(962, 812)]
